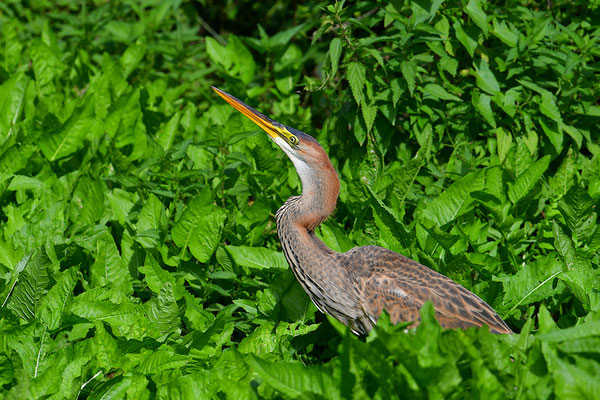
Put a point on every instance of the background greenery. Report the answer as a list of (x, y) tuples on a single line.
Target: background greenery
[(138, 252)]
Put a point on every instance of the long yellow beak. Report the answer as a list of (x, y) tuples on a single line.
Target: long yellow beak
[(273, 128)]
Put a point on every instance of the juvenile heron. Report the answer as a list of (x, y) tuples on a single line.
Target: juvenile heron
[(355, 287)]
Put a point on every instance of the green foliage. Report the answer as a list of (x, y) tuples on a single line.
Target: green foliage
[(138, 251)]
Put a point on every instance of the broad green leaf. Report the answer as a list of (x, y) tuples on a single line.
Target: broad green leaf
[(455, 200), (151, 219), (283, 38), (46, 66), (424, 11), (548, 107), (485, 78), (335, 52), (294, 379), (95, 306), (156, 277), (335, 238), (105, 347), (466, 37), (482, 104), (15, 158), (21, 182), (199, 227), (56, 301), (504, 32), (108, 269), (571, 381), (132, 57), (534, 282), (164, 312), (525, 182), (235, 58), (166, 135), (121, 202), (556, 137), (437, 92), (504, 143), (87, 203), (473, 8), (563, 245), (31, 286), (393, 232), (70, 135), (11, 103), (575, 134), (9, 256), (257, 257), (162, 360), (409, 71)]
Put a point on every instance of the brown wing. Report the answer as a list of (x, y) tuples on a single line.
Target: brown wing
[(401, 286)]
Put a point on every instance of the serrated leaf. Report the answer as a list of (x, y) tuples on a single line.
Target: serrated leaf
[(369, 113), (527, 180), (409, 71), (576, 206), (356, 77)]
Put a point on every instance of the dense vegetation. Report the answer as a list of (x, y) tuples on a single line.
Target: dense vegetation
[(138, 252)]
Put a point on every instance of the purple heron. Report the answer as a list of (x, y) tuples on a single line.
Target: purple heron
[(356, 286)]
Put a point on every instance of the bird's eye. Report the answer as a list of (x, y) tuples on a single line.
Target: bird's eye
[(293, 140)]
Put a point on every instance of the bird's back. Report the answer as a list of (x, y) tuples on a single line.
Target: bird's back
[(388, 280)]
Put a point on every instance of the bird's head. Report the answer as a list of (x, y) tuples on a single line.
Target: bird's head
[(310, 160)]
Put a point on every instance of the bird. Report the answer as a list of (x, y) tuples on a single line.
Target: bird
[(356, 286)]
